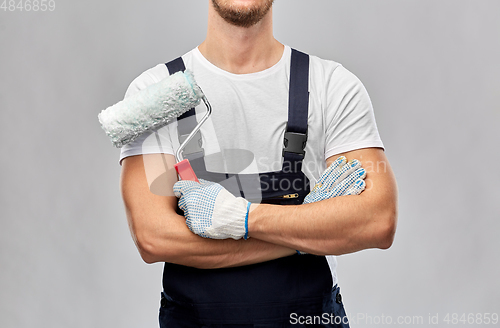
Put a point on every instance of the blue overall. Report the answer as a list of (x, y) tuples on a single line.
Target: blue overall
[(286, 292)]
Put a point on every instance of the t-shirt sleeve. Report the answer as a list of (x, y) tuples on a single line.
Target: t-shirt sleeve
[(350, 121), (151, 142)]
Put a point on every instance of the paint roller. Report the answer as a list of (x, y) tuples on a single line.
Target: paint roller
[(152, 108)]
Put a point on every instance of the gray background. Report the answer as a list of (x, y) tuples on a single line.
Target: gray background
[(431, 67)]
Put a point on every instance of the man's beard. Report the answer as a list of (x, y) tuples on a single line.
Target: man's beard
[(245, 17)]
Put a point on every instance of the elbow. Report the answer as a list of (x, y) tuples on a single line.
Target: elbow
[(147, 255), (147, 248), (144, 241), (386, 231)]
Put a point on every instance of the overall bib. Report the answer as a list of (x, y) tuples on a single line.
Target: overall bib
[(285, 292)]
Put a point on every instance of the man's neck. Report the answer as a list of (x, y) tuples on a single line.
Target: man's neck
[(241, 50)]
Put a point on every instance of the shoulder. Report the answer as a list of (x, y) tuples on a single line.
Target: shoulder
[(322, 66), (151, 76), (331, 74)]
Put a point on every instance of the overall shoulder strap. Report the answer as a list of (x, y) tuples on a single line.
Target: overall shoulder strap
[(187, 121), (175, 66), (298, 107)]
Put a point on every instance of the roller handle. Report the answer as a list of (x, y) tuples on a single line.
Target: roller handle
[(185, 171)]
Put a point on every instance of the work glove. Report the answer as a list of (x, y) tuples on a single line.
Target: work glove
[(339, 179), (211, 211)]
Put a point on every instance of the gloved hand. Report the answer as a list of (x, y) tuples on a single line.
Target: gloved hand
[(211, 211), (339, 179)]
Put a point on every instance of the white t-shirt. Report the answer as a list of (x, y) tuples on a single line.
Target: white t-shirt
[(250, 113)]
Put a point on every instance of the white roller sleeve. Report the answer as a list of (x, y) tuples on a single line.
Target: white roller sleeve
[(150, 108)]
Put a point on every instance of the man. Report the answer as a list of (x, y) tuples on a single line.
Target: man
[(246, 271)]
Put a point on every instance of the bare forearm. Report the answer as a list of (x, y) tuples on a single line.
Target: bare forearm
[(338, 225), (331, 227), (174, 243)]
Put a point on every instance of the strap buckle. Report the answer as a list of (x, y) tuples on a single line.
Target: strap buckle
[(295, 143)]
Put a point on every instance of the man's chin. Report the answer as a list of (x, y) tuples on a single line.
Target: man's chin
[(243, 15)]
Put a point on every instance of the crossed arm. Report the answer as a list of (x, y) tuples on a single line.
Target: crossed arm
[(335, 226)]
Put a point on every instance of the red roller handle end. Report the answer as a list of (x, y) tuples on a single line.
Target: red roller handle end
[(185, 171)]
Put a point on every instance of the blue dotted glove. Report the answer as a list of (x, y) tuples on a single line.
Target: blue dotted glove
[(211, 211), (339, 179)]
